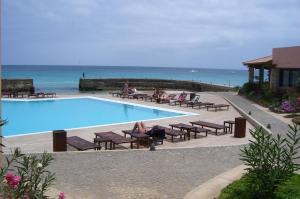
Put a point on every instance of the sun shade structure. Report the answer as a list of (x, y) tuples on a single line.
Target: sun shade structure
[(283, 68)]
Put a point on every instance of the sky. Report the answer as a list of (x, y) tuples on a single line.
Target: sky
[(168, 33)]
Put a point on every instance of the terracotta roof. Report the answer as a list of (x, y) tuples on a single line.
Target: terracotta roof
[(262, 60)]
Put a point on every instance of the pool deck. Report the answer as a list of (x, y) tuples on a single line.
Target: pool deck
[(43, 142), (171, 171)]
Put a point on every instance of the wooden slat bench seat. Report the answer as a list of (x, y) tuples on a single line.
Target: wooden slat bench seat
[(138, 136), (185, 128), (117, 94), (81, 144), (203, 104), (218, 107), (210, 125), (173, 133), (114, 139)]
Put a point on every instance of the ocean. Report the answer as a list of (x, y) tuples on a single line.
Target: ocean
[(65, 79)]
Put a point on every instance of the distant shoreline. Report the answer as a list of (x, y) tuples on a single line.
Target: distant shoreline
[(65, 79), (109, 66)]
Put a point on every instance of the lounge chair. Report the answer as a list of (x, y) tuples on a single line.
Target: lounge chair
[(211, 125), (7, 94), (178, 98), (192, 102), (218, 107), (32, 95), (149, 98), (81, 144), (173, 133), (166, 99), (116, 93), (203, 104), (52, 95), (185, 97), (21, 94), (138, 136), (113, 138)]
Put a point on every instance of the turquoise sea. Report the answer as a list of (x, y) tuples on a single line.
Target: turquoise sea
[(66, 78)]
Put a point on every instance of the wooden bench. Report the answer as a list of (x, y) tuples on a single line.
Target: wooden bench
[(210, 125), (113, 138), (52, 95), (149, 98), (173, 133), (218, 107), (117, 94), (81, 144), (138, 136), (202, 104)]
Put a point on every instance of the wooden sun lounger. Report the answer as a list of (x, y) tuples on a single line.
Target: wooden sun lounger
[(218, 107), (81, 144), (200, 130), (6, 94), (117, 94), (22, 94), (52, 95), (141, 96), (210, 125), (138, 136), (113, 138), (203, 104), (149, 98), (32, 95), (173, 133)]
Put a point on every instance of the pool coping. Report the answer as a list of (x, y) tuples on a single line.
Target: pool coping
[(185, 113)]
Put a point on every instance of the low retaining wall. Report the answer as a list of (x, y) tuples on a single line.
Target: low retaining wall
[(17, 85), (147, 84)]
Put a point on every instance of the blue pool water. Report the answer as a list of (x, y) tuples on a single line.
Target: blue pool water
[(37, 116)]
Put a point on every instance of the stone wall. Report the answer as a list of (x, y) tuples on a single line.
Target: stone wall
[(17, 85), (147, 84)]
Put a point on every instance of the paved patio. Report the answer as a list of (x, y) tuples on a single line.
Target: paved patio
[(168, 173), (42, 142)]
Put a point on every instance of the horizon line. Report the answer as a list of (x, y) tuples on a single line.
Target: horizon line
[(134, 66)]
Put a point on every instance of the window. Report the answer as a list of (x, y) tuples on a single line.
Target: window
[(289, 78)]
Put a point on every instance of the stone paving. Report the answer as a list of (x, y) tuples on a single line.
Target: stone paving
[(167, 173), (277, 126), (41, 142)]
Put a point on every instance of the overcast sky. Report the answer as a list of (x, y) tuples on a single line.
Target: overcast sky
[(179, 33)]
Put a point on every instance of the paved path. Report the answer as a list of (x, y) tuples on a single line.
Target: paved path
[(140, 173), (277, 126)]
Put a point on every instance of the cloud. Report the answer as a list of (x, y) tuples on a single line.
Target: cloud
[(162, 26)]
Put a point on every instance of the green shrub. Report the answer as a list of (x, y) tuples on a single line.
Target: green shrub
[(237, 190), (26, 176), (270, 160), (289, 189)]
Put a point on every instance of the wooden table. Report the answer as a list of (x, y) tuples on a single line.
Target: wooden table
[(230, 124), (184, 127)]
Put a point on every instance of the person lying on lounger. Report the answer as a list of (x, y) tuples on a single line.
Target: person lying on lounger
[(140, 127), (155, 131)]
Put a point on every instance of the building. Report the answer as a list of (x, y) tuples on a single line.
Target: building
[(283, 68)]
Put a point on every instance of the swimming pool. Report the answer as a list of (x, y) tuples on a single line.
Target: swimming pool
[(36, 116)]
